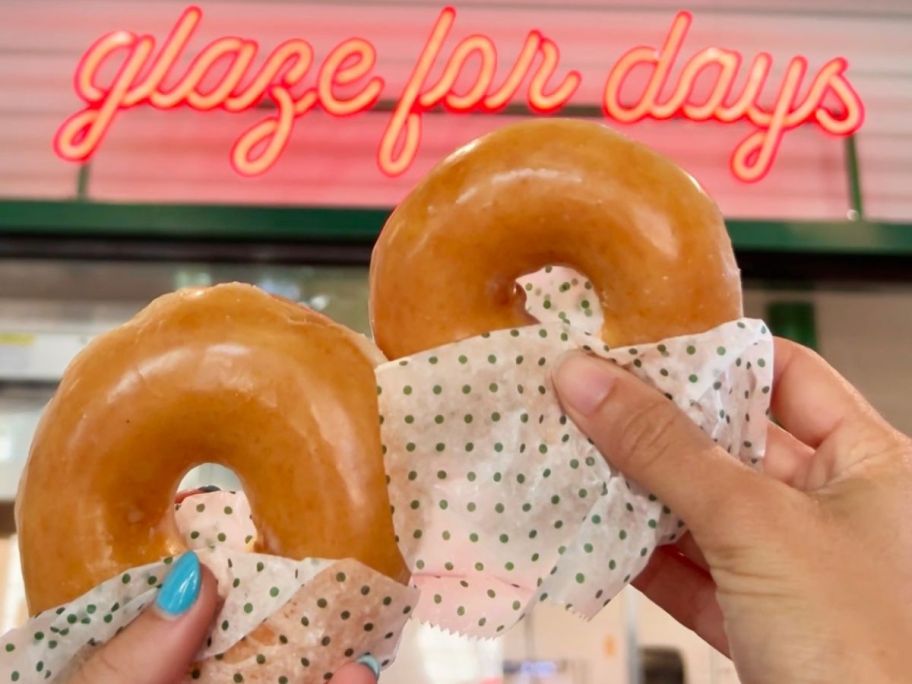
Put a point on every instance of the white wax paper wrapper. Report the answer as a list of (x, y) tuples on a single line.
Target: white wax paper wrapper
[(282, 620), (499, 501)]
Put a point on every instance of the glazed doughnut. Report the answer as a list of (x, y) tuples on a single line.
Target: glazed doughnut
[(551, 192), (278, 393)]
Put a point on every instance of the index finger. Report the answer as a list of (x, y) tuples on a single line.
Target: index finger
[(810, 399)]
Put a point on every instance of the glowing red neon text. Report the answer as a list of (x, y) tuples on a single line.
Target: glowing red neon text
[(343, 86), (754, 155), (396, 152), (283, 70)]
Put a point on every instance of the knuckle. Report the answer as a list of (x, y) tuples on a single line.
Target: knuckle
[(905, 455), (763, 514), (100, 667), (646, 433), (78, 677), (870, 437)]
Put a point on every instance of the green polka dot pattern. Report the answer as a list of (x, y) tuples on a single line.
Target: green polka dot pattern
[(278, 614), (533, 510), (224, 519), (560, 295)]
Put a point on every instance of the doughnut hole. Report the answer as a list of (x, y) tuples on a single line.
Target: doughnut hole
[(210, 513), (560, 294), (210, 474)]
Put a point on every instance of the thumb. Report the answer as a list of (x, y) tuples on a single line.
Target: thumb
[(645, 436), (366, 670), (159, 645)]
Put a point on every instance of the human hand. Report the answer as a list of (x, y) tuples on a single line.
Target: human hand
[(803, 575), (159, 646)]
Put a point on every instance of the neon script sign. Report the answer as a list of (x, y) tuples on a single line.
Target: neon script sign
[(344, 83)]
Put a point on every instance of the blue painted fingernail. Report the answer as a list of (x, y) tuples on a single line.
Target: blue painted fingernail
[(370, 663), (181, 587)]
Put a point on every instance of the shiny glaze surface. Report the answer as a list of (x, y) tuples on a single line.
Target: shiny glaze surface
[(229, 375), (551, 192)]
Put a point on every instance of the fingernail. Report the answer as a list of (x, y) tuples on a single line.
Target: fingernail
[(370, 663), (583, 382), (181, 587)]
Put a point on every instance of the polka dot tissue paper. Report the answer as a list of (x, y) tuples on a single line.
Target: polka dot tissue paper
[(281, 621), (499, 501)]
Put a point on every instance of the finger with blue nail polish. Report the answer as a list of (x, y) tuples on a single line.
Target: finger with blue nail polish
[(181, 586), (371, 663), (365, 670), (159, 645)]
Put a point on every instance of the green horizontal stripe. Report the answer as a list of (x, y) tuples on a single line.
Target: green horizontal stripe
[(330, 224)]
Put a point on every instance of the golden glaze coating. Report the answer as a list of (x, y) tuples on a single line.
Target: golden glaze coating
[(280, 394), (551, 192)]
